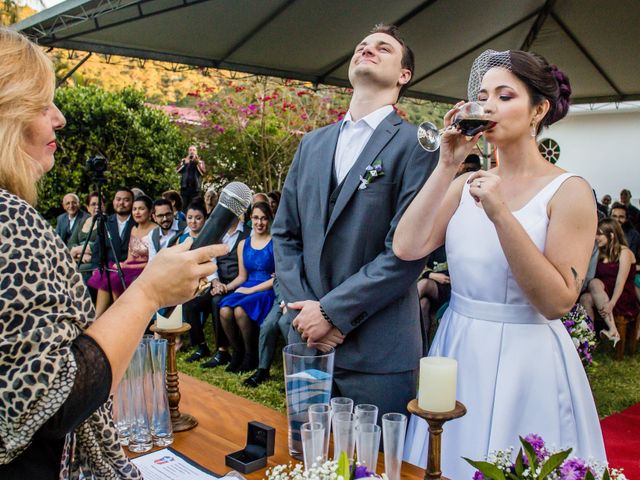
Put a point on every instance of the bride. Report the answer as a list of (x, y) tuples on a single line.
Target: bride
[(518, 240)]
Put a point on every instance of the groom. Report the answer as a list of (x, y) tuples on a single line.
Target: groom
[(343, 197)]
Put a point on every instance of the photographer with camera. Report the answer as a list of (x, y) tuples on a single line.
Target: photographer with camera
[(191, 170)]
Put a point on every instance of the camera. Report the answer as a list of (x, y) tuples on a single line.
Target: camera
[(97, 164)]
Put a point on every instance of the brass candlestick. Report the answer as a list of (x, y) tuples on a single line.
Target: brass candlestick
[(179, 421), (435, 421)]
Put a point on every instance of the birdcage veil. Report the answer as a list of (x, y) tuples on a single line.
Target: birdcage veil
[(481, 65)]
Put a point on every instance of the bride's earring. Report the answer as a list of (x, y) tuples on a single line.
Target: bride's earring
[(534, 130)]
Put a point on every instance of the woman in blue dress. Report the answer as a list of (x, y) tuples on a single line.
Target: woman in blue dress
[(242, 311)]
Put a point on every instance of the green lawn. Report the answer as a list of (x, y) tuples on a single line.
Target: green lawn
[(616, 385)]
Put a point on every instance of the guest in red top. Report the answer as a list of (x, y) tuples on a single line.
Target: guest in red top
[(612, 291)]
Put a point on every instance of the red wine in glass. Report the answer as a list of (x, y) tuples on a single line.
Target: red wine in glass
[(470, 120), (473, 126)]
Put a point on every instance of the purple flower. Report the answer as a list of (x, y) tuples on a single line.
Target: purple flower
[(362, 472), (478, 475), (573, 469), (537, 443)]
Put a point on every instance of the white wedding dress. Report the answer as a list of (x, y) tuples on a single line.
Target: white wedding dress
[(518, 373)]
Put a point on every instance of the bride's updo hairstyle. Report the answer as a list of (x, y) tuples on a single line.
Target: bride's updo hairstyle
[(27, 84), (543, 81)]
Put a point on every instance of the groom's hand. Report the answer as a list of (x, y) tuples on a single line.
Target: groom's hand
[(309, 323)]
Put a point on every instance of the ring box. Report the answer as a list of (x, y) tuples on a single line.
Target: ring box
[(261, 441)]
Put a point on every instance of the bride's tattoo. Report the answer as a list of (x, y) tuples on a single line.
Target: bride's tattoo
[(579, 281)]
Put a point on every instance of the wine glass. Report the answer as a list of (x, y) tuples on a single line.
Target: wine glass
[(470, 119)]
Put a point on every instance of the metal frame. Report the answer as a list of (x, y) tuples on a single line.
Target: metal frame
[(47, 28)]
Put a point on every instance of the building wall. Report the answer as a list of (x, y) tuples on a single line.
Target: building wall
[(603, 147)]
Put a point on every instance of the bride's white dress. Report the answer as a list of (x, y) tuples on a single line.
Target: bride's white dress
[(518, 373)]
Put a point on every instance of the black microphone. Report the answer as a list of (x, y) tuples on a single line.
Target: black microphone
[(234, 200)]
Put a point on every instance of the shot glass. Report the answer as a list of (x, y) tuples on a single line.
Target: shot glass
[(344, 434), (312, 434), (368, 444), (341, 404), (366, 413), (321, 413), (394, 428)]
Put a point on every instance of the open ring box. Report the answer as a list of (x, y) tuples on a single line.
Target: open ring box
[(261, 440)]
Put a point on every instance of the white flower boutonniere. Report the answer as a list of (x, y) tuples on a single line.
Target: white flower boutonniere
[(372, 172)]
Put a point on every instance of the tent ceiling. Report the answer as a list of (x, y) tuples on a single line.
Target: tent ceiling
[(597, 43)]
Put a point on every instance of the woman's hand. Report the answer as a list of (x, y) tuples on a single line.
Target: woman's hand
[(606, 309), (218, 288), (173, 275), (485, 189), (454, 146), (441, 278), (245, 290)]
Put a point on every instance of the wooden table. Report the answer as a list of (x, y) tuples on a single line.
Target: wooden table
[(222, 429)]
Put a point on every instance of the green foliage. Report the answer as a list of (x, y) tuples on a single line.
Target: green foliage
[(343, 466), (141, 145)]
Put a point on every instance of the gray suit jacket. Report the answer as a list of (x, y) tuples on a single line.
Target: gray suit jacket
[(62, 227), (368, 293)]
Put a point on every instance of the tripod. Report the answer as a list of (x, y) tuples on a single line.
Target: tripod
[(103, 236)]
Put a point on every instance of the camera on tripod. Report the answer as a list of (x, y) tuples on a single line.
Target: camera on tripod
[(96, 165)]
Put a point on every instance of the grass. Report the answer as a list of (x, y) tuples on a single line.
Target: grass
[(615, 385)]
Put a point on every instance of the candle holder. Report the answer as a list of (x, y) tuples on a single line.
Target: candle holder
[(179, 421), (436, 421)]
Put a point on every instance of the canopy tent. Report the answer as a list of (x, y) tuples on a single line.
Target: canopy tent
[(596, 43)]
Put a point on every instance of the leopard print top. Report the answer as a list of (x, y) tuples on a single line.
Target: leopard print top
[(44, 306)]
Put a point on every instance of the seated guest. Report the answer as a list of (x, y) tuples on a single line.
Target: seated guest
[(227, 271), (274, 200), (80, 235), (176, 204), (243, 311), (107, 250), (73, 217), (619, 213), (210, 199), (434, 288), (612, 291), (273, 324), (58, 364), (471, 164), (137, 256), (633, 213), (170, 228), (197, 310)]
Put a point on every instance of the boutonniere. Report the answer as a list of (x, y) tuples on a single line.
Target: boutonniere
[(372, 172)]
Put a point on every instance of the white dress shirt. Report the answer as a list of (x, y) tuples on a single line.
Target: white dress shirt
[(353, 137), (164, 238), (229, 240), (122, 224)]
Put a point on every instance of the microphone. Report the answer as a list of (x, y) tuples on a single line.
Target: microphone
[(234, 200)]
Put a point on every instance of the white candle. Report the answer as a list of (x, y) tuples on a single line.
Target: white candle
[(437, 387), (174, 321)]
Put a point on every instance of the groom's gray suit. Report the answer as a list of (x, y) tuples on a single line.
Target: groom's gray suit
[(332, 243)]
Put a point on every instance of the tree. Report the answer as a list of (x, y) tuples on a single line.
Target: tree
[(252, 127), (140, 143)]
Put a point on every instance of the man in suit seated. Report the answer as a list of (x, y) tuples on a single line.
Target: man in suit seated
[(72, 219), (170, 227)]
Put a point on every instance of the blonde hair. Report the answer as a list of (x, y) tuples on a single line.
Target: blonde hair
[(27, 84), (616, 240)]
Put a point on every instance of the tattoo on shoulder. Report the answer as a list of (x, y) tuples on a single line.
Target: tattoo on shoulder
[(578, 281)]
